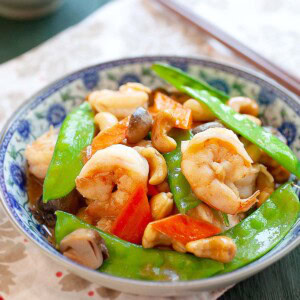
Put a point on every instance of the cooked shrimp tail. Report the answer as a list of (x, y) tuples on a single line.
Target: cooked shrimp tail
[(214, 162)]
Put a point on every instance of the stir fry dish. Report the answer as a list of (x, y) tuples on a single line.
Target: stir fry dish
[(167, 185)]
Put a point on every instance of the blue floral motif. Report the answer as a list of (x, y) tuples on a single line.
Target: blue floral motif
[(266, 96), (18, 176), (289, 130), (180, 65), (130, 77), (219, 84), (56, 114), (90, 79), (40, 229), (24, 129), (13, 201)]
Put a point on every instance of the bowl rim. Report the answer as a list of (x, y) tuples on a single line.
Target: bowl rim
[(205, 283)]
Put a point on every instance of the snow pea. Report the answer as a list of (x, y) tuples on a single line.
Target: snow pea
[(75, 134), (240, 124), (183, 196), (166, 71), (264, 228), (254, 236), (133, 261)]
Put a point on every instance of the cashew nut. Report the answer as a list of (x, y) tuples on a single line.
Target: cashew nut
[(268, 161), (254, 152), (157, 164), (204, 213), (279, 173), (220, 248), (179, 247), (264, 183), (105, 120), (200, 111), (163, 123), (244, 105), (257, 121), (84, 246), (161, 205), (144, 143), (139, 126), (152, 238)]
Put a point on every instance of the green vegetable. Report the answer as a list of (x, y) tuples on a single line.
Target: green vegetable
[(225, 219), (183, 196), (75, 134), (254, 236), (265, 228), (170, 73), (132, 261), (237, 122)]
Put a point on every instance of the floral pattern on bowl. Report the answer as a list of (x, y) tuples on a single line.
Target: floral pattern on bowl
[(50, 106)]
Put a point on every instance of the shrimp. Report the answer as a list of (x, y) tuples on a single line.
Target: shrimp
[(109, 179), (40, 152), (212, 162), (120, 103), (246, 185)]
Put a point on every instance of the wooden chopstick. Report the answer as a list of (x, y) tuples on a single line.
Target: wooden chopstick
[(278, 74)]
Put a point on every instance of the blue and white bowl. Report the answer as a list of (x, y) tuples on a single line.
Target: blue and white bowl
[(49, 107)]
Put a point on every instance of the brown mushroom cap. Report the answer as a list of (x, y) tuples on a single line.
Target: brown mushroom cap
[(44, 212), (139, 125), (84, 246)]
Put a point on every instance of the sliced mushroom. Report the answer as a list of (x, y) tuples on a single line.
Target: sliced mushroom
[(206, 126), (139, 125), (86, 247)]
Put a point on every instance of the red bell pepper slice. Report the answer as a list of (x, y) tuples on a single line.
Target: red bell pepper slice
[(111, 136), (185, 229), (182, 114), (134, 217)]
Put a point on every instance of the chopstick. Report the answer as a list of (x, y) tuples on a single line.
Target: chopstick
[(278, 74)]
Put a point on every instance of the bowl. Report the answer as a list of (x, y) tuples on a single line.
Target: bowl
[(278, 107)]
